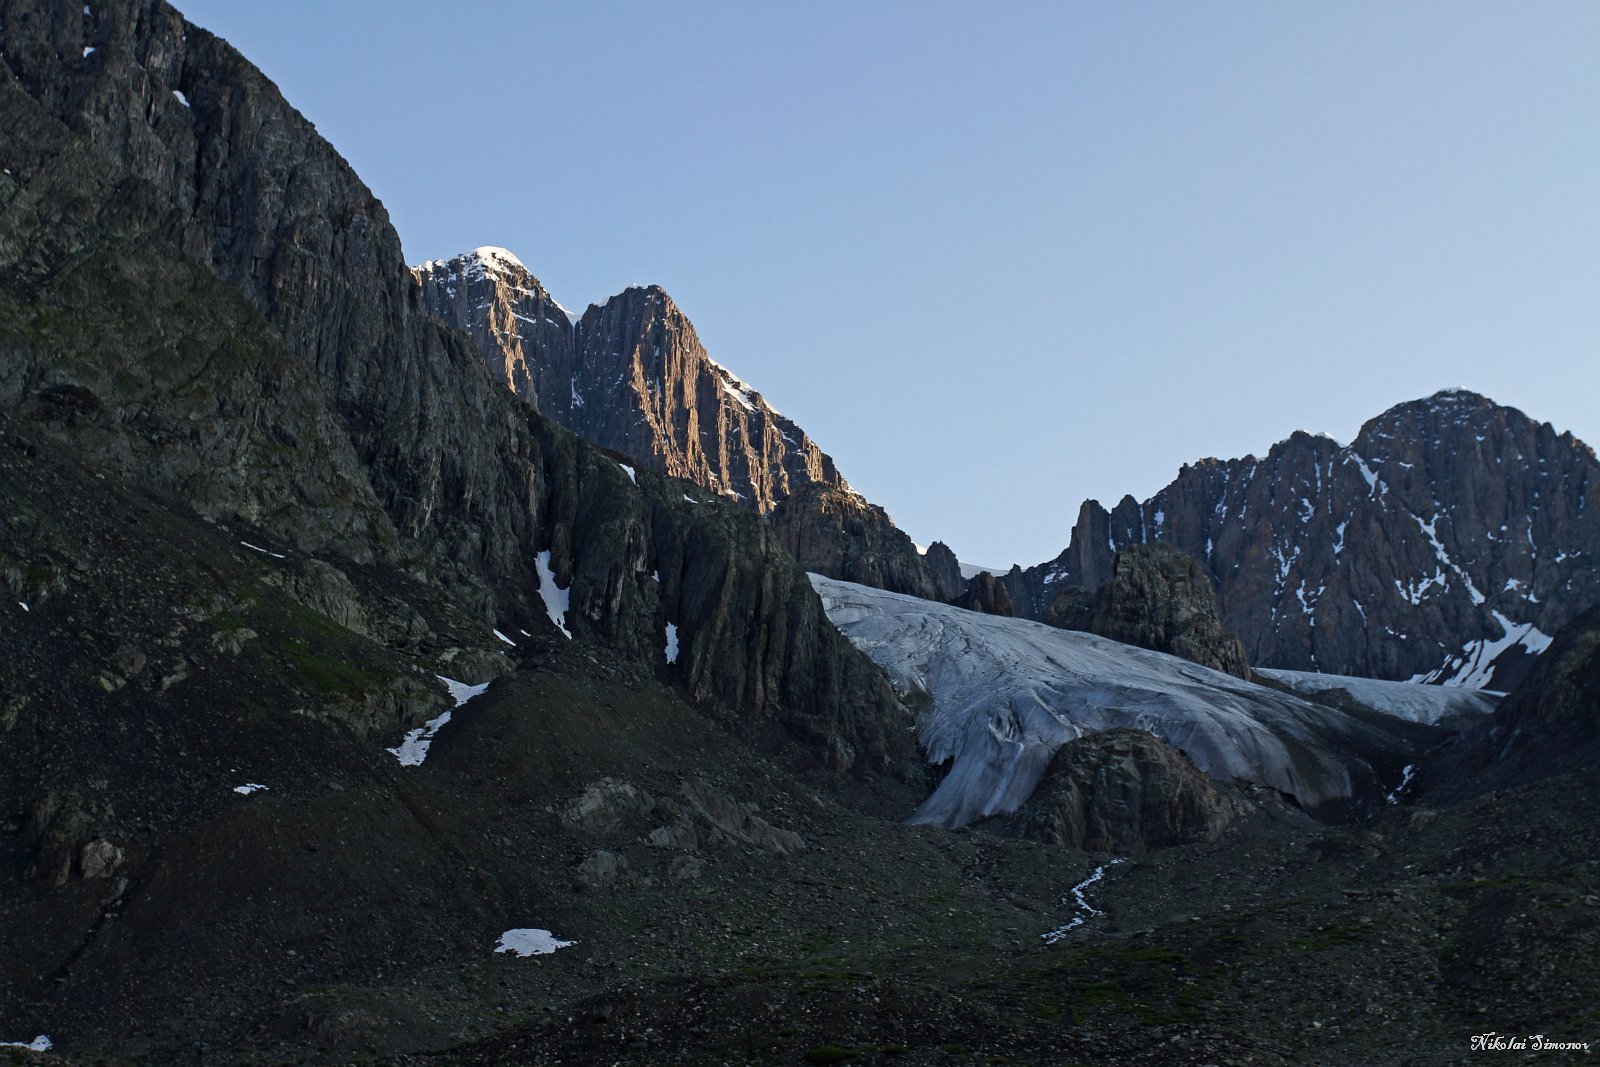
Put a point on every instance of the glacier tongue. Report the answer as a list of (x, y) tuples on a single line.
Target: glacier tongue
[(1406, 700), (1000, 695)]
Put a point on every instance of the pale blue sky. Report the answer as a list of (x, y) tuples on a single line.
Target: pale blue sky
[(1000, 258)]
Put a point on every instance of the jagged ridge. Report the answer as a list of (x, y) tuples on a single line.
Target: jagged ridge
[(1453, 531)]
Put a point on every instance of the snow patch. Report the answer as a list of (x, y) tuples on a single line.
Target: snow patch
[(184, 100), (41, 1043), (23, 604), (629, 472), (248, 788), (493, 257), (264, 551), (461, 692), (530, 942), (555, 598), (735, 388), (672, 642), (504, 638)]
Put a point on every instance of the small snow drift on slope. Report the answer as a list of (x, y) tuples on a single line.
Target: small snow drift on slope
[(413, 750), (1406, 700), (42, 1043), (530, 942), (1004, 694)]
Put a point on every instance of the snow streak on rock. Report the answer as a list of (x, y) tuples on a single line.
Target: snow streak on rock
[(1406, 774)]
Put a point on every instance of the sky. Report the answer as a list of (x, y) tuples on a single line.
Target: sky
[(998, 259)]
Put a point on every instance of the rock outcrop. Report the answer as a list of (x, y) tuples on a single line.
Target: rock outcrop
[(1121, 791), (985, 593), (1158, 598), (945, 571), (1552, 720), (156, 180), (1548, 726), (1445, 543)]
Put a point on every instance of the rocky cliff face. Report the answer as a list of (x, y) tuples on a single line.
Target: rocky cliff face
[(1445, 543), (1121, 791), (141, 147), (1158, 598), (837, 532), (632, 375)]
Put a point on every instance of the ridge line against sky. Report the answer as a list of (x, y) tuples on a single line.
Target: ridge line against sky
[(997, 266)]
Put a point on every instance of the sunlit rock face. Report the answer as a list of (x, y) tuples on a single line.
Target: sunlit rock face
[(631, 375)]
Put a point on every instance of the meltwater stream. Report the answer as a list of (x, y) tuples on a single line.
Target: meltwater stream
[(1086, 911)]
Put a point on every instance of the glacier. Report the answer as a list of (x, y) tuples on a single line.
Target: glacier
[(997, 696)]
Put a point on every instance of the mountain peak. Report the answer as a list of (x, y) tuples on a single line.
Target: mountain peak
[(496, 258), (485, 259)]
